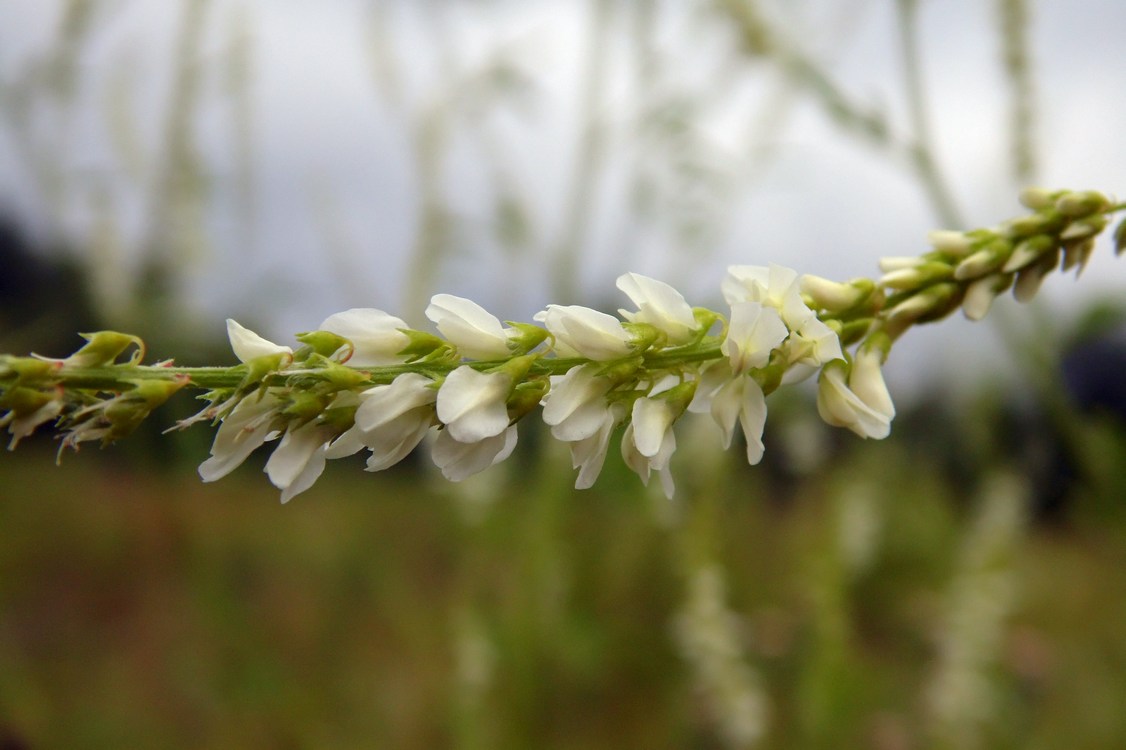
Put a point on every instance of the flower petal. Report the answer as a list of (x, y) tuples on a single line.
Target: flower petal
[(476, 333), (374, 333), (248, 345)]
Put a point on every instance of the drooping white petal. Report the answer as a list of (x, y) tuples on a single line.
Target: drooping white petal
[(476, 333), (576, 406), (312, 471), (659, 305), (585, 332), (459, 460), (643, 465), (294, 451), (242, 431), (247, 344), (841, 406), (391, 421), (472, 404), (752, 333), (652, 421), (384, 403), (867, 382), (589, 454), (376, 335)]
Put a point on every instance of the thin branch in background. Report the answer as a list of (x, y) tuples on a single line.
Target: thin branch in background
[(580, 201), (239, 85), (1014, 21), (175, 237), (921, 150)]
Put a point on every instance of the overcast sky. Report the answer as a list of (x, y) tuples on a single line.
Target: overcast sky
[(346, 105)]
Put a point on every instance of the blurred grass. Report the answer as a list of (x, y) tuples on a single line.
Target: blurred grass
[(141, 608)]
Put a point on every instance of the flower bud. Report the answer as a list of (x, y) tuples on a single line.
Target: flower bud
[(1028, 251), (1037, 198), (981, 293), (921, 275), (836, 296), (987, 259), (1083, 228), (526, 397), (1120, 238), (932, 303), (1029, 278), (951, 242), (1076, 254), (1081, 203)]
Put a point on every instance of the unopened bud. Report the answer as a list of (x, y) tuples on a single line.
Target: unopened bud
[(981, 293), (1083, 228), (985, 260), (1076, 254), (951, 242), (526, 397), (1037, 198), (1030, 277), (921, 275), (930, 304), (1081, 203), (1028, 251), (836, 296)]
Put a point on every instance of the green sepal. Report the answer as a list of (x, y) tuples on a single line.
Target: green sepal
[(31, 369), (526, 397), (643, 336), (705, 319), (104, 347), (304, 406), (679, 396), (529, 338), (327, 343), (257, 368), (621, 371), (1120, 238), (422, 344), (23, 401)]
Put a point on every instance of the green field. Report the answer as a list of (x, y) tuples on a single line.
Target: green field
[(880, 600)]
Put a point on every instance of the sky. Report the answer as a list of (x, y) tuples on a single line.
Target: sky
[(319, 134)]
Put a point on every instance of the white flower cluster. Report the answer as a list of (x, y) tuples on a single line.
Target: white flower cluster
[(591, 372)]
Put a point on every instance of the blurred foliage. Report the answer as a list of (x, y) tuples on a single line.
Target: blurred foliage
[(139, 607)]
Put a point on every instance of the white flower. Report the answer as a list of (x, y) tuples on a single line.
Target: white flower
[(863, 405), (773, 285), (660, 306), (589, 454), (575, 407), (476, 333), (376, 335), (472, 404), (299, 459), (581, 331), (248, 345), (458, 460), (752, 333), (741, 399), (649, 442), (248, 426), (808, 348), (391, 421)]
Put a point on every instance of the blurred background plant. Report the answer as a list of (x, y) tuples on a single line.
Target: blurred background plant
[(163, 166)]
